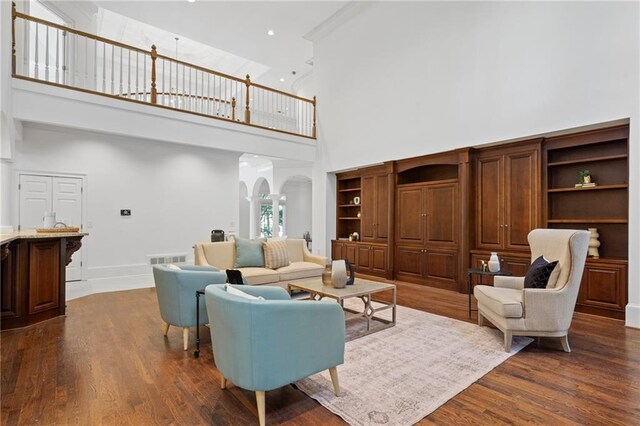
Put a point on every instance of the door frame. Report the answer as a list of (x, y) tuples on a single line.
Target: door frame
[(83, 202)]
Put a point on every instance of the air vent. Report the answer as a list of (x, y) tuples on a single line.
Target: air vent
[(163, 259)]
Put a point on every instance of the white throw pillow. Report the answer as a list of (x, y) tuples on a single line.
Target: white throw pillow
[(232, 290), (173, 267), (555, 274)]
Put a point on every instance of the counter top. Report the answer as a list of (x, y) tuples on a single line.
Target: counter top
[(11, 236)]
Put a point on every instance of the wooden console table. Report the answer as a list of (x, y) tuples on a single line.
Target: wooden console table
[(33, 275)]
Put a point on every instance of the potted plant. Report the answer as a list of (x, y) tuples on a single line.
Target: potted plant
[(585, 176)]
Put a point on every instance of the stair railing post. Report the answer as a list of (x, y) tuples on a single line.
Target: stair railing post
[(313, 129), (14, 13), (247, 113), (154, 91)]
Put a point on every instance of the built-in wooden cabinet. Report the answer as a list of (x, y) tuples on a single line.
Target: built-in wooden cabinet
[(427, 219), (507, 196)]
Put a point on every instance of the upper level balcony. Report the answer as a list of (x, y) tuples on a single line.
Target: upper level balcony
[(48, 53)]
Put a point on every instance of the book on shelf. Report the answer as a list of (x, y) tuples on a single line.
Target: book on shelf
[(586, 185)]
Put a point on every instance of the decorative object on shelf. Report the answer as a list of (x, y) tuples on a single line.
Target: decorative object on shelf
[(585, 180), (484, 266), (358, 215), (594, 243), (339, 277), (494, 262), (356, 200), (354, 237)]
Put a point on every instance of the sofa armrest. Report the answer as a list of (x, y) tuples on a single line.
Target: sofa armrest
[(516, 283), (548, 309), (308, 257)]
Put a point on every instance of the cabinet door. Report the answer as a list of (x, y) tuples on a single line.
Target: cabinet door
[(442, 266), (409, 261), (489, 189), (350, 254), (379, 259), (517, 265), (44, 275), (604, 286), (368, 208), (382, 208), (364, 257), (521, 194), (442, 213), (410, 219)]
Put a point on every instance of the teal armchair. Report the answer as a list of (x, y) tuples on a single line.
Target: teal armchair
[(176, 291), (260, 345)]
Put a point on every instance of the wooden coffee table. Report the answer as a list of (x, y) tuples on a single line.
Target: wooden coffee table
[(361, 289)]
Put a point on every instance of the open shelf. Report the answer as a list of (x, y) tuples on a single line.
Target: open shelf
[(591, 188), (587, 160), (349, 190), (349, 205), (349, 218)]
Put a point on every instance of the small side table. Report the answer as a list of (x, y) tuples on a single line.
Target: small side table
[(477, 271), (199, 293)]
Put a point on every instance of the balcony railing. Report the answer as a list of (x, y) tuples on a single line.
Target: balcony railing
[(53, 54)]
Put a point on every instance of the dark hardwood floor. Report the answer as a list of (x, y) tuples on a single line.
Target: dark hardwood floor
[(108, 362)]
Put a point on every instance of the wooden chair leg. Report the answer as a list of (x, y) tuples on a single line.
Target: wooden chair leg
[(565, 343), (507, 341), (334, 379), (223, 382), (480, 319), (166, 328), (185, 337), (261, 404)]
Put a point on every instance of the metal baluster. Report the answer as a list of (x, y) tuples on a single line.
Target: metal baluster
[(113, 48), (164, 93), (129, 73), (121, 87), (208, 104), (144, 77), (57, 57), (46, 53), (86, 62), (184, 76), (104, 67), (137, 76), (95, 65), (36, 71), (170, 82)]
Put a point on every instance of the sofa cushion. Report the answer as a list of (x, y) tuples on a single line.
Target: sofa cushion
[(506, 302), (276, 254), (297, 270), (249, 253), (296, 251), (539, 273), (255, 276)]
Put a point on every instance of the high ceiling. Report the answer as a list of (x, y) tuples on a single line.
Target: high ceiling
[(240, 28)]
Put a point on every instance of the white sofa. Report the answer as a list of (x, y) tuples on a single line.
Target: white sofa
[(303, 264)]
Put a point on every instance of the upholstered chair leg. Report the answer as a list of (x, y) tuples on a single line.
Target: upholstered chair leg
[(507, 341), (261, 410), (223, 382), (166, 328), (565, 343), (334, 379), (480, 319), (185, 337)]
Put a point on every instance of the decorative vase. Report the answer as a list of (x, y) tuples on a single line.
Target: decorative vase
[(326, 275), (338, 274), (594, 243), (494, 262)]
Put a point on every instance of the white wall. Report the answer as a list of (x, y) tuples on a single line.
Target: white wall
[(411, 78), (298, 210), (177, 193)]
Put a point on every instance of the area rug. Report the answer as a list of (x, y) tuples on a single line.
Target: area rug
[(399, 375)]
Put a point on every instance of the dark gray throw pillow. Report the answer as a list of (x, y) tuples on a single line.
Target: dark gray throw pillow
[(539, 273)]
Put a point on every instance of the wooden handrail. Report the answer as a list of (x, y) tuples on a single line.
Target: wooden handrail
[(153, 54)]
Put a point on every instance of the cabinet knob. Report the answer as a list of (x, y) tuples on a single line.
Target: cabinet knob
[(506, 225), (501, 226)]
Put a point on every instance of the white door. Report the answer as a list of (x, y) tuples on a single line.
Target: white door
[(62, 195)]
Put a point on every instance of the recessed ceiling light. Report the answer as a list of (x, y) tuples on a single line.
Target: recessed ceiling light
[(270, 32), (191, 1), (282, 80)]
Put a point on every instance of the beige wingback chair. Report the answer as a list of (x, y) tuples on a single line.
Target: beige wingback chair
[(519, 311)]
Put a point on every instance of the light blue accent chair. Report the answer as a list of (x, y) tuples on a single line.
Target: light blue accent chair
[(261, 345), (176, 291)]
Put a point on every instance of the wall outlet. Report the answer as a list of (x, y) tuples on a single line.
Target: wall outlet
[(125, 212)]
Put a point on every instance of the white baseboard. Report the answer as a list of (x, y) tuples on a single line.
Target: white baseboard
[(99, 272), (632, 316), (76, 289)]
